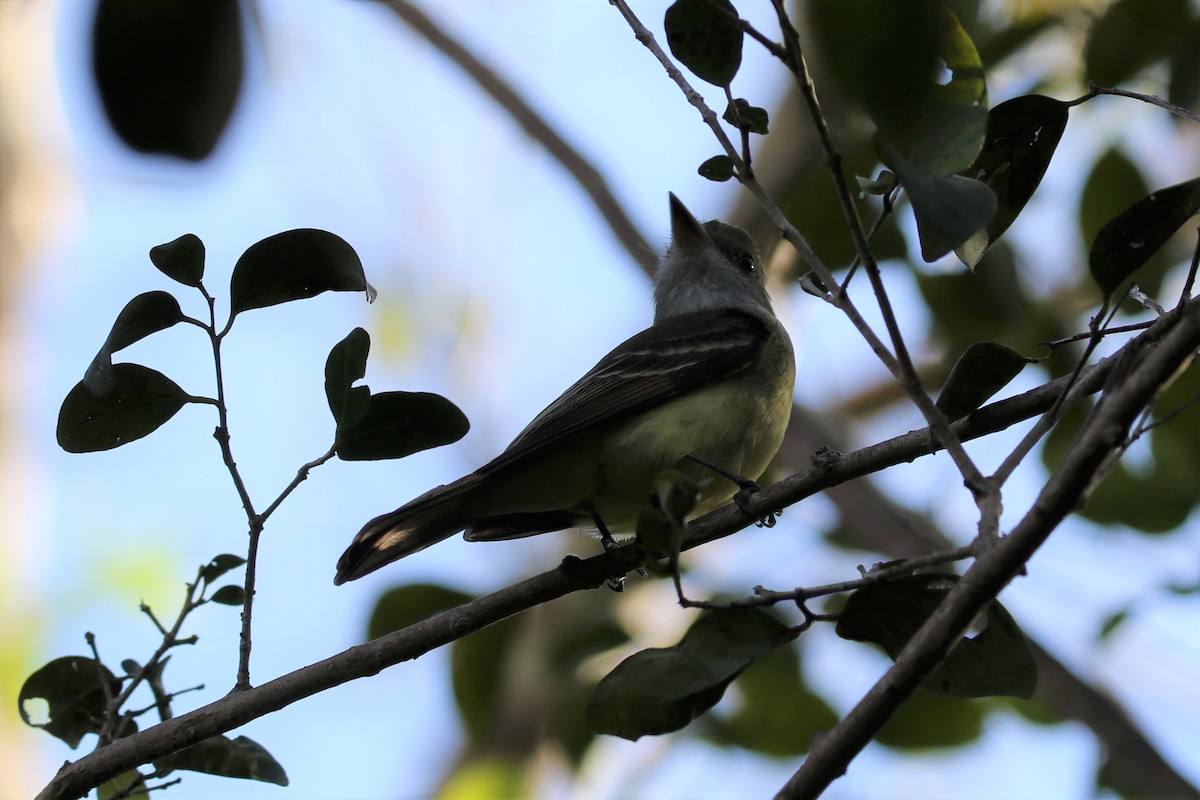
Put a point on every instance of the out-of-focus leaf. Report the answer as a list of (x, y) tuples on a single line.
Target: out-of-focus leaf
[(1130, 35), (948, 210), (119, 787), (143, 315), (411, 603), (219, 566), (346, 364), (144, 400), (996, 661), (718, 169), (740, 114), (929, 720), (168, 74), (1129, 240), (984, 369), (181, 260), (486, 777), (1022, 135), (663, 689), (295, 265), (72, 687), (706, 37), (1184, 87), (230, 758), (1111, 186), (477, 665), (398, 424), (779, 713)]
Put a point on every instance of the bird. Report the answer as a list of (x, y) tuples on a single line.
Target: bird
[(706, 390)]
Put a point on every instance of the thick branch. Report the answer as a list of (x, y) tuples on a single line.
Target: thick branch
[(1066, 490)]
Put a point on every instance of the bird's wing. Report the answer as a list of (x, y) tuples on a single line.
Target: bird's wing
[(659, 364)]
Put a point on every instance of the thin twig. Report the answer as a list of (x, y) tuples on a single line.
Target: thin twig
[(1096, 91)]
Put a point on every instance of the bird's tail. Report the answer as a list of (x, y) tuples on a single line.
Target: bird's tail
[(432, 517)]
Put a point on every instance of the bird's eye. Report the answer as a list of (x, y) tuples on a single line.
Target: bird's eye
[(744, 260)]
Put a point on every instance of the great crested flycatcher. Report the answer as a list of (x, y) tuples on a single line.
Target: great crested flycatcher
[(711, 379)]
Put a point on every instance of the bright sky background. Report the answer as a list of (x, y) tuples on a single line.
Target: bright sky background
[(498, 287)]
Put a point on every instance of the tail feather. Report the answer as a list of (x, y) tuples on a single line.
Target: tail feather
[(427, 520)]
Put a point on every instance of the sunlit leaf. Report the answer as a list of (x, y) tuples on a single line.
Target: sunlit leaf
[(181, 260), (143, 315), (295, 265), (706, 37), (145, 399)]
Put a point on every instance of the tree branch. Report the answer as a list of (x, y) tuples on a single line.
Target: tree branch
[(1066, 490)]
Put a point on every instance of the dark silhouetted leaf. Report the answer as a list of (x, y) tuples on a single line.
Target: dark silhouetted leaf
[(74, 696), (1130, 35), (1128, 241), (1111, 186), (717, 168), (295, 265), (1022, 135), (662, 690), (145, 399), (168, 75), (230, 758), (997, 661), (398, 424), (948, 210), (984, 369), (706, 37), (219, 566), (181, 260), (346, 364), (406, 605), (740, 114), (143, 315), (230, 595)]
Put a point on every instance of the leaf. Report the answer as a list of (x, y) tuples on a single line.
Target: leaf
[(346, 364), (398, 424), (984, 369), (477, 669), (661, 690), (1022, 135), (1130, 35), (948, 210), (1129, 240), (181, 260), (706, 37), (72, 690), (230, 758), (145, 399), (930, 720), (143, 315), (779, 714), (409, 604), (119, 787), (740, 114), (295, 265), (718, 169), (997, 661), (230, 595), (219, 566)]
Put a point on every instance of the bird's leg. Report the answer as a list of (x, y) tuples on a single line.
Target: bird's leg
[(615, 582), (746, 489)]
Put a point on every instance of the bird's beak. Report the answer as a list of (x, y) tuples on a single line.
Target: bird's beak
[(686, 232)]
